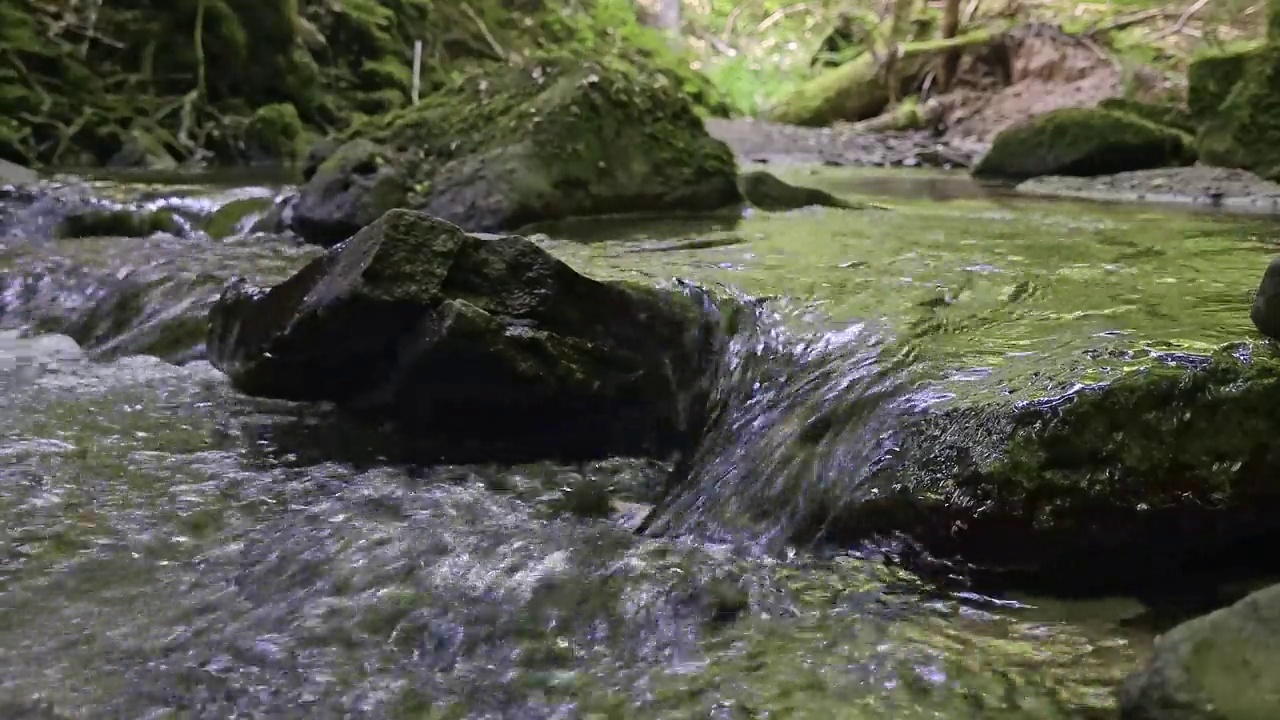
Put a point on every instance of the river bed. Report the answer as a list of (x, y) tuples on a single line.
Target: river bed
[(172, 549)]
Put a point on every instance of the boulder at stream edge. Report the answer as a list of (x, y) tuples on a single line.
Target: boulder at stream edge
[(1085, 142), (487, 346), (516, 145), (1222, 666)]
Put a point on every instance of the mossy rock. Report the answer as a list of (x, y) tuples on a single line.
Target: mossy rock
[(509, 146), (487, 346), (1164, 114), (766, 192), (118, 222), (1246, 130), (1221, 666), (1083, 142), (1211, 78), (1129, 486), (273, 133)]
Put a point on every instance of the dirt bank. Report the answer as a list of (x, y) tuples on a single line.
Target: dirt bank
[(761, 141)]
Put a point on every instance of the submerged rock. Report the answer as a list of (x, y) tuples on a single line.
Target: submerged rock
[(1127, 485), (520, 145), (1083, 141), (489, 345), (1221, 666)]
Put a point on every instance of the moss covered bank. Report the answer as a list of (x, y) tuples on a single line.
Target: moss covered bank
[(151, 82)]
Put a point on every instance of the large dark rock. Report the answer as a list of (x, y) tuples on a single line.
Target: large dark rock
[(1085, 142), (516, 145), (490, 346), (1168, 470), (1265, 312), (1222, 666)]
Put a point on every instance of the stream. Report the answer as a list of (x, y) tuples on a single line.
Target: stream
[(172, 549)]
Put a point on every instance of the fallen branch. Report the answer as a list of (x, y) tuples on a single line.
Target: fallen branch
[(1125, 21), (488, 36)]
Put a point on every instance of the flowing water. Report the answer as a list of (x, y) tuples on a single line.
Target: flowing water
[(171, 549)]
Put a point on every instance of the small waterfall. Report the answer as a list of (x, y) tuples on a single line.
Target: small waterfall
[(800, 424)]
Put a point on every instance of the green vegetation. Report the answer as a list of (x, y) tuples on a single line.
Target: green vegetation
[(1084, 141), (226, 78)]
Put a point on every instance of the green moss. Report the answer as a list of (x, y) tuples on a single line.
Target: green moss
[(1211, 78), (118, 223), (563, 134), (1161, 437), (1165, 114), (274, 131), (1083, 141), (1246, 133)]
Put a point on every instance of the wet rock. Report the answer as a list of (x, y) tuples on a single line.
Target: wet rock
[(1265, 312), (1221, 666), (14, 174), (1083, 141), (770, 194), (273, 134), (490, 346), (118, 222), (1164, 472), (525, 144), (349, 190)]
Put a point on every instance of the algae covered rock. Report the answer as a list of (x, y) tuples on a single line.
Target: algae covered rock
[(489, 346), (1124, 486), (1083, 141), (1165, 114), (1222, 666), (515, 145), (273, 133)]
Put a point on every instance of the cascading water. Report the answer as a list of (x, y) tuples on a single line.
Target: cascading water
[(799, 423)]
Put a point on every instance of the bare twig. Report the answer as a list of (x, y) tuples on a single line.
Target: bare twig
[(970, 11), (1181, 23), (779, 14), (1124, 21), (484, 31)]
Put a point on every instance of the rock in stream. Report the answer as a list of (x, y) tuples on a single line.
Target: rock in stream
[(489, 345), (542, 141)]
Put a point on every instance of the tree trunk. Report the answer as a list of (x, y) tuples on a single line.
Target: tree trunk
[(950, 61), (860, 89)]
